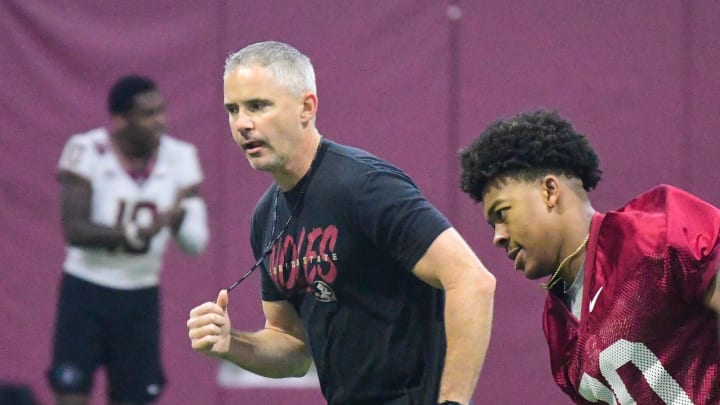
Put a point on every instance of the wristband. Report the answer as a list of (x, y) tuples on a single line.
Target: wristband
[(132, 235)]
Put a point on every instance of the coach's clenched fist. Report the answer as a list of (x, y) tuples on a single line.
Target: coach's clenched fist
[(209, 326)]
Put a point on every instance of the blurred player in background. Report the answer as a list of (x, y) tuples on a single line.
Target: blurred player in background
[(631, 313), (363, 275), (125, 191)]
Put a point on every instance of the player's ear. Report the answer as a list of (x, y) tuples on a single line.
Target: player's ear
[(309, 107), (550, 190)]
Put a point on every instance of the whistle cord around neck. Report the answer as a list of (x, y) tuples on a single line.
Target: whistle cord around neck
[(294, 213)]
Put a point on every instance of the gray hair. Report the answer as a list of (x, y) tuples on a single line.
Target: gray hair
[(290, 67)]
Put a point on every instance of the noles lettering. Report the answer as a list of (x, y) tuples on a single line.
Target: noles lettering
[(296, 265)]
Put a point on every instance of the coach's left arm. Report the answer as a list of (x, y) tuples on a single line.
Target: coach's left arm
[(469, 287)]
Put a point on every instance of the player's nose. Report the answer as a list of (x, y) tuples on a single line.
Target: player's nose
[(501, 237)]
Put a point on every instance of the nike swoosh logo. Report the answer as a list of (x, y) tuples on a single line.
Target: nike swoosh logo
[(594, 300)]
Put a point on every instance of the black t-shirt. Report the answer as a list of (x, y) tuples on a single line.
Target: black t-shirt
[(375, 331)]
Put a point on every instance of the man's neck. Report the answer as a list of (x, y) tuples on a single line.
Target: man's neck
[(579, 234), (301, 163), (132, 156)]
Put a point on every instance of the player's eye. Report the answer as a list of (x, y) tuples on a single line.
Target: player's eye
[(501, 214), (231, 108), (497, 216)]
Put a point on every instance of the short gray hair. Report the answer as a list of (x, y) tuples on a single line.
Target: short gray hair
[(291, 68)]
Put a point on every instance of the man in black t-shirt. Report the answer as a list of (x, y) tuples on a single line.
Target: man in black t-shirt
[(360, 273)]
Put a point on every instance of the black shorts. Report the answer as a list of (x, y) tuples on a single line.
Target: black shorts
[(104, 326)]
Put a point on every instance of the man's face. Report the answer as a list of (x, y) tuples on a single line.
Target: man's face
[(264, 117), (524, 225), (143, 124)]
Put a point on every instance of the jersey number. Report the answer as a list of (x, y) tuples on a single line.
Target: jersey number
[(143, 213), (619, 354)]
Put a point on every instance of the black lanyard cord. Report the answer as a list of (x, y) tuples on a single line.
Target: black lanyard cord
[(294, 213)]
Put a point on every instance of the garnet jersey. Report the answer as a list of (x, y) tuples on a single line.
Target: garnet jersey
[(644, 335), (118, 198)]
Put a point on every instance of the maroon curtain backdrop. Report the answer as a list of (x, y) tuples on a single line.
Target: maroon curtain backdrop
[(411, 81)]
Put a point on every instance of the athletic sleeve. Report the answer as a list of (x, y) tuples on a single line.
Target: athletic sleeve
[(193, 235), (396, 216), (189, 170), (693, 235), (78, 157)]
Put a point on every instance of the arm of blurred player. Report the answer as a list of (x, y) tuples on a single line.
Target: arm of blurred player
[(75, 203), (450, 264), (277, 351), (187, 220), (80, 230), (713, 297)]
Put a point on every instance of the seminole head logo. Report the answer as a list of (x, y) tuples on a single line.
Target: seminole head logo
[(323, 292)]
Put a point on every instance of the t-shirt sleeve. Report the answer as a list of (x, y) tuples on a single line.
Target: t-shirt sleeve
[(259, 220), (693, 232), (268, 289), (78, 157), (393, 213)]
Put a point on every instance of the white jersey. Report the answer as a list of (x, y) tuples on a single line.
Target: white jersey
[(118, 198)]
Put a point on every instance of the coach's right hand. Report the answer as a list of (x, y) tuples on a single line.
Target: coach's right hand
[(209, 326)]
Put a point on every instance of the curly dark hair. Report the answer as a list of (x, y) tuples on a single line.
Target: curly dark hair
[(123, 92), (527, 146)]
